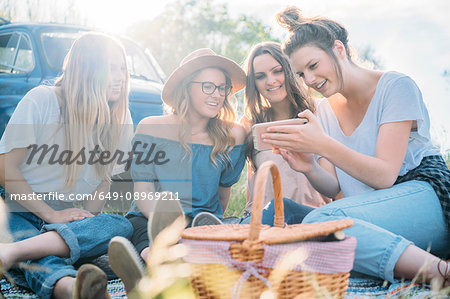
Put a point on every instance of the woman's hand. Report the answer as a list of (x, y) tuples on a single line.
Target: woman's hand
[(322, 177), (301, 162), (67, 215), (307, 138)]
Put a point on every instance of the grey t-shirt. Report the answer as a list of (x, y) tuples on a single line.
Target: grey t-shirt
[(397, 98)]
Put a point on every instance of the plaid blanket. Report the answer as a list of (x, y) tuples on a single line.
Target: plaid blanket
[(363, 288), (367, 288), (116, 290)]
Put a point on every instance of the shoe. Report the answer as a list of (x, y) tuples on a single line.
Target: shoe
[(90, 283), (125, 262), (205, 218), (164, 214), (232, 220)]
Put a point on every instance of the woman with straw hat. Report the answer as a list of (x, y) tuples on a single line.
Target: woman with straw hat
[(198, 154)]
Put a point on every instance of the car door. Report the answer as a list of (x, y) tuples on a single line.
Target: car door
[(19, 70)]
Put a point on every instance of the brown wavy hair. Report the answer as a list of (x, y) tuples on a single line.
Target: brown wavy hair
[(258, 108), (317, 31)]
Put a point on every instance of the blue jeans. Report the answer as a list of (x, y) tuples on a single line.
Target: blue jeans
[(387, 221), (85, 238), (293, 213)]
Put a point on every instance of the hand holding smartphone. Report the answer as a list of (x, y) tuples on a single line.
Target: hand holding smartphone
[(261, 128)]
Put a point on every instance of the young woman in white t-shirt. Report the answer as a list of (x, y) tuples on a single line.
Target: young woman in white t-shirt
[(372, 134), (84, 112)]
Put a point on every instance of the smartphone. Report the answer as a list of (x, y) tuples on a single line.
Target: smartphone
[(261, 128)]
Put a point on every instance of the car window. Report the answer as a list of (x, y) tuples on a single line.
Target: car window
[(56, 44), (16, 53), (139, 65)]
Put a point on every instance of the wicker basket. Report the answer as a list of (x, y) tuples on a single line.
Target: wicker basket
[(243, 261)]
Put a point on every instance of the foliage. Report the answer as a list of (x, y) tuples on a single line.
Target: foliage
[(447, 158), (238, 197), (365, 56), (167, 273), (185, 26), (446, 75), (67, 11)]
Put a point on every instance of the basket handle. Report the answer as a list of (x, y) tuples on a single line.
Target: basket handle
[(258, 198)]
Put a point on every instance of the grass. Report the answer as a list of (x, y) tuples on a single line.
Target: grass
[(238, 199)]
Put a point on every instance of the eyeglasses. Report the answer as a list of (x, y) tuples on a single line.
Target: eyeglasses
[(209, 88)]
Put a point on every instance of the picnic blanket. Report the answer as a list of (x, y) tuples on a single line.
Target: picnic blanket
[(115, 288), (368, 288), (363, 288)]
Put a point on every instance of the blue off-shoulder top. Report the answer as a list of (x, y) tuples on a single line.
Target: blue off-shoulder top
[(193, 178)]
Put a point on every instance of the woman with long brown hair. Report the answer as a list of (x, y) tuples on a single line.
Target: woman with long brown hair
[(273, 93)]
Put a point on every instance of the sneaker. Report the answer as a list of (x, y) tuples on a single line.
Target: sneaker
[(164, 214), (232, 220), (125, 262), (90, 283), (205, 218)]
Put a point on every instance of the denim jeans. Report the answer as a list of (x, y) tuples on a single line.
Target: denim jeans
[(85, 238), (387, 221), (293, 213)]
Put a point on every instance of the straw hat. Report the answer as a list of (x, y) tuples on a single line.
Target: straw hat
[(200, 59)]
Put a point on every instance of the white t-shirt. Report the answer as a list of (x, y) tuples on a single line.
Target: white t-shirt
[(37, 120), (397, 98)]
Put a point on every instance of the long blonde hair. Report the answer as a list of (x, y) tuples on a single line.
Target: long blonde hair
[(85, 111), (218, 128)]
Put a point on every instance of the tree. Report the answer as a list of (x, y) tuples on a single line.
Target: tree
[(446, 75), (42, 11), (366, 57), (185, 25), (8, 10)]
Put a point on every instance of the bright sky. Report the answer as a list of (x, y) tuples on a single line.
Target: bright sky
[(412, 37)]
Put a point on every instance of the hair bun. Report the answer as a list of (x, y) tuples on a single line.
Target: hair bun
[(290, 18)]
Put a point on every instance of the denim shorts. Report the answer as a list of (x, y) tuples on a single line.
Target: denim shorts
[(85, 238)]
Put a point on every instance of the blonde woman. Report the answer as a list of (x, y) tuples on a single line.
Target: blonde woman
[(81, 120), (199, 153)]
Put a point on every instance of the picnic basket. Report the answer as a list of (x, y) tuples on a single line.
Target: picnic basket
[(289, 261)]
